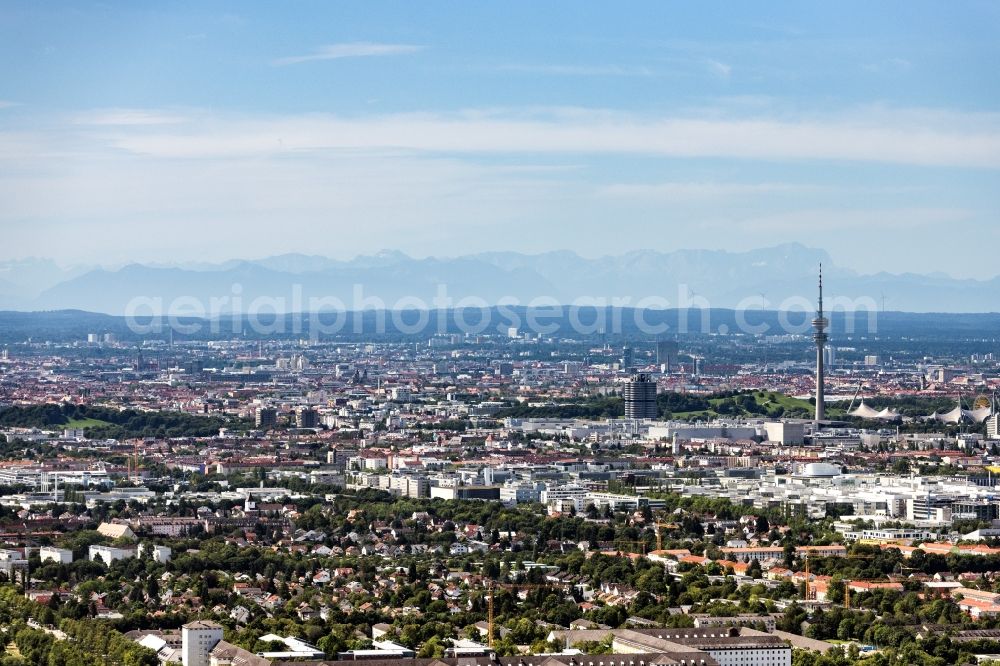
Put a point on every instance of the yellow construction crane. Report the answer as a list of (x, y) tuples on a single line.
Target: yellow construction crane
[(659, 534), (132, 464), (847, 587), (489, 620), (845, 557), (847, 583), (640, 544)]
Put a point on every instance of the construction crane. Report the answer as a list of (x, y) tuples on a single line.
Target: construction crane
[(816, 557), (659, 534), (642, 547), (847, 584), (132, 463), (489, 621)]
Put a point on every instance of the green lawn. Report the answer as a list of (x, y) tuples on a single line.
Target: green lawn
[(763, 398), (84, 423), (703, 414), (786, 401)]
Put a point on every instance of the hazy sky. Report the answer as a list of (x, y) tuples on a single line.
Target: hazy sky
[(199, 130)]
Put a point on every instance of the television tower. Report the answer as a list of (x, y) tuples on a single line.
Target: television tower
[(820, 337)]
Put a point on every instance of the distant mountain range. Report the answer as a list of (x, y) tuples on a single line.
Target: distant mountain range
[(717, 278)]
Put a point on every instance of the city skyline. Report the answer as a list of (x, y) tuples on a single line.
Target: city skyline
[(242, 130), (472, 334)]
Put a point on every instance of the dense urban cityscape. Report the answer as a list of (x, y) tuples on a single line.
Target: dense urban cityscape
[(499, 334), (514, 498)]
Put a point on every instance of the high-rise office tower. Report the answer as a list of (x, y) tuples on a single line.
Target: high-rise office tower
[(640, 397), (829, 356), (666, 353), (628, 357), (306, 418), (267, 417)]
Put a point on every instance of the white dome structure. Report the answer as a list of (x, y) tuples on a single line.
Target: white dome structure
[(820, 470), (865, 412), (889, 415), (959, 415)]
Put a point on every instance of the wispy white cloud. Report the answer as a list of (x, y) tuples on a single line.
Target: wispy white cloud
[(343, 202), (868, 220), (910, 138), (700, 191), (350, 50), (422, 179), (719, 68), (6, 104), (745, 102), (579, 70), (887, 65), (127, 117), (785, 30)]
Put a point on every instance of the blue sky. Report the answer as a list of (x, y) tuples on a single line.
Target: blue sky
[(197, 131)]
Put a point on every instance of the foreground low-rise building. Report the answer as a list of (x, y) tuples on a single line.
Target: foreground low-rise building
[(57, 555), (726, 646)]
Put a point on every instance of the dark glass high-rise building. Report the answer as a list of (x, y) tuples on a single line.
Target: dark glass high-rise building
[(640, 397), (628, 358), (267, 418), (666, 353)]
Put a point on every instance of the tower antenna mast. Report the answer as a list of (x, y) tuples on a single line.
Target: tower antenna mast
[(820, 337)]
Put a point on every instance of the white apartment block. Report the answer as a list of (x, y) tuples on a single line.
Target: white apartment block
[(159, 554), (197, 640), (58, 555), (109, 554)]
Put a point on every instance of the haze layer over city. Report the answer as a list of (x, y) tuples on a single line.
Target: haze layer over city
[(521, 334)]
